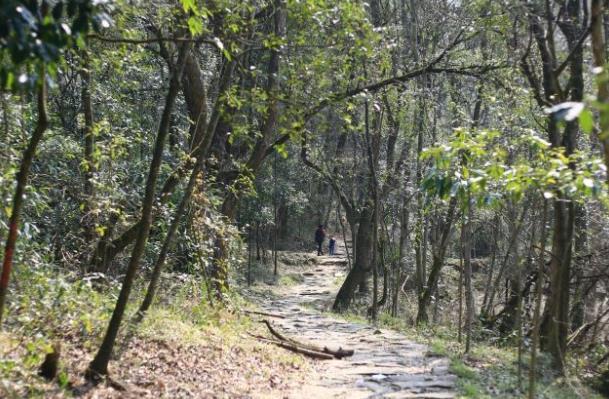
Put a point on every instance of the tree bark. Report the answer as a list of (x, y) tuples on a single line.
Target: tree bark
[(168, 241), (467, 275), (600, 59), (361, 265), (89, 147), (21, 180), (375, 214), (556, 320)]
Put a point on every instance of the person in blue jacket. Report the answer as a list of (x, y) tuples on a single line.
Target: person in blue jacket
[(332, 246)]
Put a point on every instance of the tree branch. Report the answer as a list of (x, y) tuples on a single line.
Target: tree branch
[(159, 39), (472, 70), (349, 208), (574, 50)]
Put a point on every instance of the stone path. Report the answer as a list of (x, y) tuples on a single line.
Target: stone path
[(385, 364)]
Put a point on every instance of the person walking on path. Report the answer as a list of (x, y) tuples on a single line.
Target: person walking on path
[(320, 236), (332, 246)]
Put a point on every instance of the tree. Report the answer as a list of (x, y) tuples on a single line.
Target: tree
[(99, 365), (550, 92), (34, 35)]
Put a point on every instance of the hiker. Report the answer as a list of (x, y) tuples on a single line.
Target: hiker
[(320, 236), (332, 246)]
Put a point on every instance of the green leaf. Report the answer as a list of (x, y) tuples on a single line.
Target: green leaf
[(188, 5), (586, 121), (281, 150), (195, 25)]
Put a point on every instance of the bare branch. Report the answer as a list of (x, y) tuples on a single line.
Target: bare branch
[(574, 50), (159, 39)]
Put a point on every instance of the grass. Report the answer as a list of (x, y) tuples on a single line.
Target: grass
[(291, 279)]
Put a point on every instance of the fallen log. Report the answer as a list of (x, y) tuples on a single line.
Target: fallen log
[(337, 353), (294, 348), (279, 316)]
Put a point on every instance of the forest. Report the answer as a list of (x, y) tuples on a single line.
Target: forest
[(304, 198)]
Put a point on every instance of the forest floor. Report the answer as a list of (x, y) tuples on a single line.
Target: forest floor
[(386, 363), (184, 348)]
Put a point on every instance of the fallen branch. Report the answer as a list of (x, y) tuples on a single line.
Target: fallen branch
[(279, 316), (339, 353), (294, 348)]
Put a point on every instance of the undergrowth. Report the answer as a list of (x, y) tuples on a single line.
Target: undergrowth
[(490, 370), (47, 308)]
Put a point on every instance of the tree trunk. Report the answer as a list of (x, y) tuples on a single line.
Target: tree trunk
[(99, 365), (259, 153), (600, 59), (578, 310), (556, 319), (538, 299), (555, 327), (491, 267), (173, 227), (361, 266), (467, 276), (21, 179), (437, 263), (89, 164), (402, 250), (375, 214), (344, 234)]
